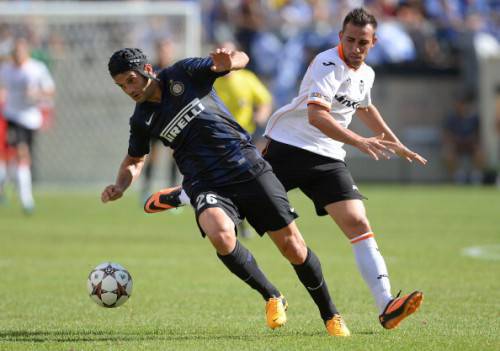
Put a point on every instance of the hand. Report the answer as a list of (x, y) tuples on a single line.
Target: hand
[(111, 193), (402, 151), (374, 147), (222, 58)]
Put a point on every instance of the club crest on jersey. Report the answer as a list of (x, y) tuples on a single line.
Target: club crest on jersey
[(176, 88), (361, 86)]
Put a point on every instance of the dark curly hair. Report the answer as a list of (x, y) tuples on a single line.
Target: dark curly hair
[(360, 17)]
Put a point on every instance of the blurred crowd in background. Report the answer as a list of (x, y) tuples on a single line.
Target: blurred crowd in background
[(282, 36)]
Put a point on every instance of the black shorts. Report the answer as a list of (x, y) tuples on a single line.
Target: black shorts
[(17, 134), (324, 180), (262, 201)]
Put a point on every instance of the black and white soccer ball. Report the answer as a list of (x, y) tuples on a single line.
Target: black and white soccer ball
[(109, 285)]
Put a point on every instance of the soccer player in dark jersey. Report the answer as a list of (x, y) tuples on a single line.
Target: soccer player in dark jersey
[(224, 175)]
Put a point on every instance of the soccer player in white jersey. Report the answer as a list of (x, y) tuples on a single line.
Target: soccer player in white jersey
[(24, 84), (312, 130)]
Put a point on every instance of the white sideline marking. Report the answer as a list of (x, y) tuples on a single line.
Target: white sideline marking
[(485, 252)]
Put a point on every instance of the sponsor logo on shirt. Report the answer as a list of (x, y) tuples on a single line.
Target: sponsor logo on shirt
[(346, 102), (181, 120)]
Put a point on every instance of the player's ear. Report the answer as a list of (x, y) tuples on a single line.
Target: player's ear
[(375, 38), (340, 35)]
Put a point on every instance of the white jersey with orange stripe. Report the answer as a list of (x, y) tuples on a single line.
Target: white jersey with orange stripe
[(329, 82)]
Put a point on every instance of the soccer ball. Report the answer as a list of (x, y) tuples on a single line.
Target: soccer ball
[(109, 285)]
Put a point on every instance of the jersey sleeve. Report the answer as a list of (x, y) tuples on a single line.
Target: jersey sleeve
[(199, 70), (138, 142), (325, 81)]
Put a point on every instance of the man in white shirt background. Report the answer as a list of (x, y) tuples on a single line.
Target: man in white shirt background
[(25, 83)]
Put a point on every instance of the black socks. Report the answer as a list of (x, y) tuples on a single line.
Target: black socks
[(242, 263), (311, 275)]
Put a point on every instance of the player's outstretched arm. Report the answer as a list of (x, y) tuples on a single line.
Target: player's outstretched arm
[(319, 116), (403, 152), (129, 170), (372, 118), (228, 60)]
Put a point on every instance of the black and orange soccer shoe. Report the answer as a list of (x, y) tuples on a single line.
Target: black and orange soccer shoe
[(163, 200), (400, 308)]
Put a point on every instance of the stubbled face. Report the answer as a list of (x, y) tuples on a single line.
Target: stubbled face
[(138, 87), (356, 43)]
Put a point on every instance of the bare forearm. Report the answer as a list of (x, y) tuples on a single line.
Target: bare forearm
[(322, 120), (129, 170), (320, 117), (372, 118)]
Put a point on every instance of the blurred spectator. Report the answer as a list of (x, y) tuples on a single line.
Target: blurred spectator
[(25, 83), (475, 43), (252, 22), (249, 101), (313, 34), (165, 55), (423, 34), (3, 153), (461, 143), (394, 45)]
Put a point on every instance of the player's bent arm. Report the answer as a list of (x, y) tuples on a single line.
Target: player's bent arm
[(320, 117), (372, 118), (129, 170)]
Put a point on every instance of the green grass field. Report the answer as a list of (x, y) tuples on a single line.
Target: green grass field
[(184, 299)]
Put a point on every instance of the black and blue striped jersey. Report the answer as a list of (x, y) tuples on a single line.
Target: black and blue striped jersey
[(210, 147)]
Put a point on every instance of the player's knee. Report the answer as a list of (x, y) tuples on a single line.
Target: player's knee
[(294, 249), (219, 229), (356, 224), (215, 221), (223, 242)]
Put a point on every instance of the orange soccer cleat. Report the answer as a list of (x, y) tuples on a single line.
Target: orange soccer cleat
[(163, 200), (400, 308), (275, 312), (337, 327)]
